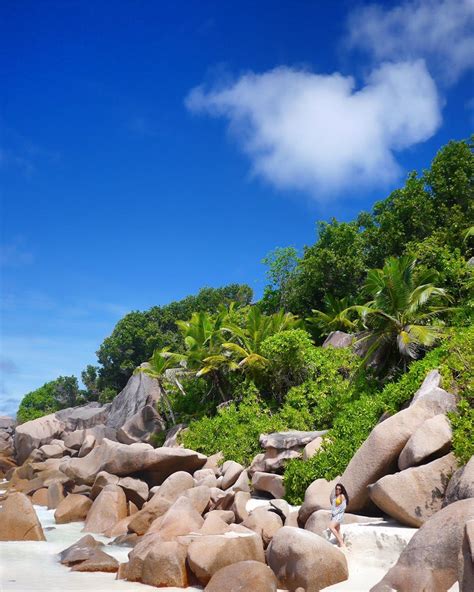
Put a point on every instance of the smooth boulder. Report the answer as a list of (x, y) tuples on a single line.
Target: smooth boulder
[(18, 520), (432, 437), (157, 563), (80, 551), (208, 554), (73, 508), (124, 460), (269, 483), (414, 495), (461, 485), (33, 434), (241, 576), (302, 559), (430, 560), (141, 426), (108, 509), (378, 455)]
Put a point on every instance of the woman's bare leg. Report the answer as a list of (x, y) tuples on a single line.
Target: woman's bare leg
[(335, 528)]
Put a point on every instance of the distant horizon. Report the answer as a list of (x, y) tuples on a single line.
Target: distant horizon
[(149, 151)]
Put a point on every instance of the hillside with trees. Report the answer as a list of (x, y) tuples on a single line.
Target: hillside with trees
[(397, 280)]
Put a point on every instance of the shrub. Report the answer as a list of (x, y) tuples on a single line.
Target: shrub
[(292, 360), (235, 430), (315, 403), (462, 423)]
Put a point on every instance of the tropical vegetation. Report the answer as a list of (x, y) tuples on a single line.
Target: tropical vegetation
[(399, 279)]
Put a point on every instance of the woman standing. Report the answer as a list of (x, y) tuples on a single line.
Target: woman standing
[(339, 501)]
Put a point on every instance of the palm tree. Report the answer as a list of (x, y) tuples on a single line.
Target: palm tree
[(160, 361), (246, 342), (399, 317), (203, 337), (335, 317)]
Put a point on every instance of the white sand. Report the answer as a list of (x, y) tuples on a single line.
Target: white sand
[(32, 566)]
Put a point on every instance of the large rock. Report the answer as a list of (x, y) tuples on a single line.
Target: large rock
[(379, 454), (173, 488), (461, 485), (302, 559), (98, 561), (430, 560), (319, 521), (316, 497), (180, 519), (312, 448), (56, 494), (208, 554), (432, 437), (135, 490), (83, 417), (140, 390), (432, 381), (81, 550), (141, 426), (157, 563), (75, 439), (102, 480), (269, 483), (172, 435), (108, 509), (241, 576), (73, 508), (7, 429), (264, 523), (338, 340), (33, 434), (466, 559), (128, 459), (414, 495), (231, 471), (286, 440), (18, 520)]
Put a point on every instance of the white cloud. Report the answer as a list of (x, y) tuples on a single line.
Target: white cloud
[(319, 132), (440, 31)]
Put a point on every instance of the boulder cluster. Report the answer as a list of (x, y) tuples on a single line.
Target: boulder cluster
[(190, 519)]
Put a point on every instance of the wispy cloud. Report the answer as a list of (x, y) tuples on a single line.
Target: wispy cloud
[(321, 133), (440, 31)]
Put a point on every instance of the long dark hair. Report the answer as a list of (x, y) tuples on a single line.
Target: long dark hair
[(343, 491)]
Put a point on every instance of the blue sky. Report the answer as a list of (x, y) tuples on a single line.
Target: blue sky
[(152, 148)]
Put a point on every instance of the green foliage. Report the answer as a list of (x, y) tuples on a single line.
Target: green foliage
[(90, 378), (314, 404), (336, 316), (234, 430), (194, 403), (462, 424), (455, 360), (335, 265), (439, 204), (52, 396), (107, 395), (400, 317), (291, 359), (138, 334), (281, 263)]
